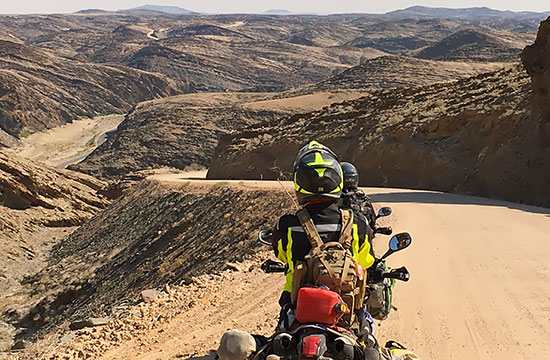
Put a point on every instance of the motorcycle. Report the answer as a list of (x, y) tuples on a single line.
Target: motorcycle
[(381, 279), (316, 340)]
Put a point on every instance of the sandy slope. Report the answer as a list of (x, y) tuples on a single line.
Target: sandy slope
[(60, 144), (478, 290)]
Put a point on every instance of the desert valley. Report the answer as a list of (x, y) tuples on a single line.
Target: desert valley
[(142, 150)]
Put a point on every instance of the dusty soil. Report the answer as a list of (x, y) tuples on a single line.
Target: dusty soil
[(476, 291), (151, 236), (58, 145)]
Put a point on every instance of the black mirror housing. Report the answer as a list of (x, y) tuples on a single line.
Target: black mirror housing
[(400, 241), (264, 236), (385, 211)]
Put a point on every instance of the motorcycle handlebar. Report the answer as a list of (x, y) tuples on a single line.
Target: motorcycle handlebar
[(401, 274), (383, 230), (270, 266)]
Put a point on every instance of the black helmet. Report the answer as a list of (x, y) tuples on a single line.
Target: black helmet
[(351, 176), (317, 173)]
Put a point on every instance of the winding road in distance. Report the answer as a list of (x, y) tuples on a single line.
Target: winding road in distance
[(100, 140)]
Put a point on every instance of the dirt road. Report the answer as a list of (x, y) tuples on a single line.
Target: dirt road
[(479, 287), (480, 278)]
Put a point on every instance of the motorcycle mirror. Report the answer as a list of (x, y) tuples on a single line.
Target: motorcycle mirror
[(264, 235), (385, 211), (398, 242)]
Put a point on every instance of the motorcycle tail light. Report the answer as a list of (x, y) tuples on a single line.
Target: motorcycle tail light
[(310, 346)]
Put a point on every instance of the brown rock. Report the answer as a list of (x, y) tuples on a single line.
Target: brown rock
[(90, 322), (236, 345), (66, 338), (20, 345), (149, 295), (233, 267)]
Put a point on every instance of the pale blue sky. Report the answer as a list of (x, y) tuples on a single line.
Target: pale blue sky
[(258, 6)]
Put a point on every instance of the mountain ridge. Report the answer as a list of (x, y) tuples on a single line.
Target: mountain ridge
[(39, 89), (465, 13), (173, 10)]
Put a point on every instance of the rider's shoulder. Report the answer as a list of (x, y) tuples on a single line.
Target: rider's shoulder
[(287, 221)]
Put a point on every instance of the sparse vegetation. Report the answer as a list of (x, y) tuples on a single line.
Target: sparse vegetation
[(24, 134)]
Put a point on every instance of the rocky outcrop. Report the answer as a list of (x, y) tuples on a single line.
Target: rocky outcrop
[(25, 185), (536, 59), (35, 198), (40, 90), (38, 207)]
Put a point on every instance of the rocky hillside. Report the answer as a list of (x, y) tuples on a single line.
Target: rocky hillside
[(536, 59), (475, 136), (215, 53), (57, 68), (182, 132), (409, 36), (179, 132), (473, 45), (39, 90), (261, 52), (399, 72), (150, 237), (38, 207)]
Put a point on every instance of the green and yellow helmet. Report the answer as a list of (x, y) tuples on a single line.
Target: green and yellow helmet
[(317, 173)]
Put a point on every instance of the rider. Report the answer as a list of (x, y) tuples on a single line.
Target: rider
[(355, 199), (318, 183)]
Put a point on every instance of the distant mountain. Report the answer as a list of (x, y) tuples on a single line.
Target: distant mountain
[(91, 11), (163, 9), (278, 12), (464, 13), (288, 12)]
